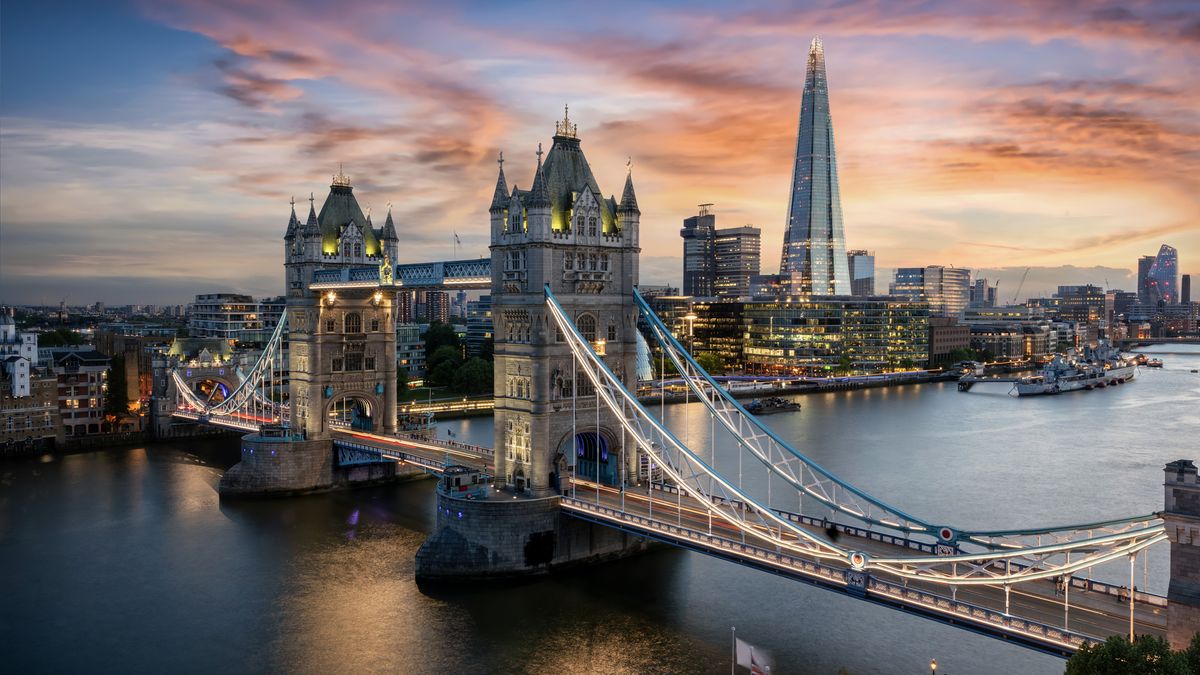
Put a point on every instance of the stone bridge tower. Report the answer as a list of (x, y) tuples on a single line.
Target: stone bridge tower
[(1181, 518), (565, 233), (341, 341)]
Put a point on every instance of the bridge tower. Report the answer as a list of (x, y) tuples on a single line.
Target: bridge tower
[(562, 232), (565, 233), (1181, 517), (341, 345)]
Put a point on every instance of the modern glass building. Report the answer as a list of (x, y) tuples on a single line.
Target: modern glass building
[(946, 289), (699, 264), (814, 243), (1162, 280), (835, 335), (862, 272), (736, 259)]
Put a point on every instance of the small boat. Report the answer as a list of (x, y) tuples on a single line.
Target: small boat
[(771, 405), (1154, 363)]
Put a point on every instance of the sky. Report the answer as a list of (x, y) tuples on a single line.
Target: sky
[(148, 150)]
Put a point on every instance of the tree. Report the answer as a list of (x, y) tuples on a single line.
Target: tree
[(1146, 654), (116, 398), (443, 374), (961, 354), (401, 383), (487, 350), (473, 377), (441, 355), (59, 337), (845, 364), (440, 335), (711, 363)]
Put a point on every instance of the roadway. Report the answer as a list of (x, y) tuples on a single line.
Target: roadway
[(1090, 613)]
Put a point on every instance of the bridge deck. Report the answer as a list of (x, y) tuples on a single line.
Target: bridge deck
[(1091, 614)]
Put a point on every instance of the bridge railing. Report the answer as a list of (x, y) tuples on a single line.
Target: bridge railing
[(827, 574)]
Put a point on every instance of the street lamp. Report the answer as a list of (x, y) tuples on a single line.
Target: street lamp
[(691, 317), (933, 666)]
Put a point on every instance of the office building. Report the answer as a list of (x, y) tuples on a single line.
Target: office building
[(946, 336), (410, 349), (814, 242), (1144, 264), (1185, 289), (234, 317), (736, 260), (718, 330), (862, 272), (982, 295), (1162, 280), (828, 335), (479, 324), (945, 289), (699, 263)]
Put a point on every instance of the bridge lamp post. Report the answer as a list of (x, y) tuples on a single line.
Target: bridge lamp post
[(932, 666)]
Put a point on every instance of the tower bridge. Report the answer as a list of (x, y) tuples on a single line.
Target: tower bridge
[(580, 471)]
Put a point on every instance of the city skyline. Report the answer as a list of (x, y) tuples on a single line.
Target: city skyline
[(1048, 137)]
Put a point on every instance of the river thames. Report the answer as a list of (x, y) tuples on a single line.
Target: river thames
[(126, 561)]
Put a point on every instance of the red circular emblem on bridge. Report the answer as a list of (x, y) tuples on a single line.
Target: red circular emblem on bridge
[(946, 534)]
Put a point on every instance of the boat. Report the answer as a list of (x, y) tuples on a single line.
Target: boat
[(768, 406), (1099, 367), (1154, 363)]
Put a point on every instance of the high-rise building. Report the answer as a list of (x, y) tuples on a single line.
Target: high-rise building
[(437, 306), (946, 289), (699, 266), (862, 272), (718, 263), (1185, 289), (982, 295), (814, 244), (479, 323), (1162, 281), (736, 257), (1144, 264)]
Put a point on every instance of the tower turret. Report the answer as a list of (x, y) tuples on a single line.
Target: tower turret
[(538, 202), (500, 200), (311, 233), (628, 214), (388, 237)]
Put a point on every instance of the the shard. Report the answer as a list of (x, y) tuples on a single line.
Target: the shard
[(814, 243)]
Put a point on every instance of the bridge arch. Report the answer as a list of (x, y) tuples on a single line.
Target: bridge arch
[(355, 410), (211, 384), (594, 453)]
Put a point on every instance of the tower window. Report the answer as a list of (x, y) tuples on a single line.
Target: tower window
[(375, 325), (612, 332), (329, 325), (592, 226), (353, 323), (358, 250), (587, 327)]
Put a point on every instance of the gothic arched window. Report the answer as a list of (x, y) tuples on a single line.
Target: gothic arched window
[(346, 250), (358, 250), (592, 226), (375, 325), (587, 327), (329, 325), (353, 322)]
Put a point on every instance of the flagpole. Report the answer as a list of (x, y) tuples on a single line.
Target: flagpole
[(733, 650)]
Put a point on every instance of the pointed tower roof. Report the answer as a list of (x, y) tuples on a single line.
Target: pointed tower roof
[(538, 194), (500, 196), (311, 227), (628, 198), (293, 227), (340, 209), (389, 227)]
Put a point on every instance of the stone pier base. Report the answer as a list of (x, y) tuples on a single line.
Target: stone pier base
[(279, 466), (501, 537)]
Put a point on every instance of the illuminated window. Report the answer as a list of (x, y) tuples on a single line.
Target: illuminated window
[(353, 322)]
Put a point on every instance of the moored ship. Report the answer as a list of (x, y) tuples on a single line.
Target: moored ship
[(1100, 367)]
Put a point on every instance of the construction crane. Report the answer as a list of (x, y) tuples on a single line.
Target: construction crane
[(1020, 285)]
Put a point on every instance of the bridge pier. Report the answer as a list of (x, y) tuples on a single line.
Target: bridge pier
[(1182, 521), (503, 536), (279, 465)]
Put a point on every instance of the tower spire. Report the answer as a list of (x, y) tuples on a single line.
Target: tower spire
[(566, 128), (500, 195)]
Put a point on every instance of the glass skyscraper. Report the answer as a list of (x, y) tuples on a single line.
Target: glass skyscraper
[(1162, 281), (814, 244)]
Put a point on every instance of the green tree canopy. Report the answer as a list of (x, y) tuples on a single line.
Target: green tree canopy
[(116, 399), (59, 337), (1146, 655), (473, 377), (710, 362), (401, 383), (443, 354), (443, 374), (440, 335)]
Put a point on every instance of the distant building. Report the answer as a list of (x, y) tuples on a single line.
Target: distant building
[(1185, 289), (862, 272), (945, 336), (410, 349), (18, 355), (1081, 304), (699, 261), (718, 330), (824, 335), (234, 317), (946, 289), (736, 259), (479, 324), (82, 378), (1143, 290), (1162, 281), (437, 306), (982, 295), (30, 422), (405, 307), (814, 242)]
